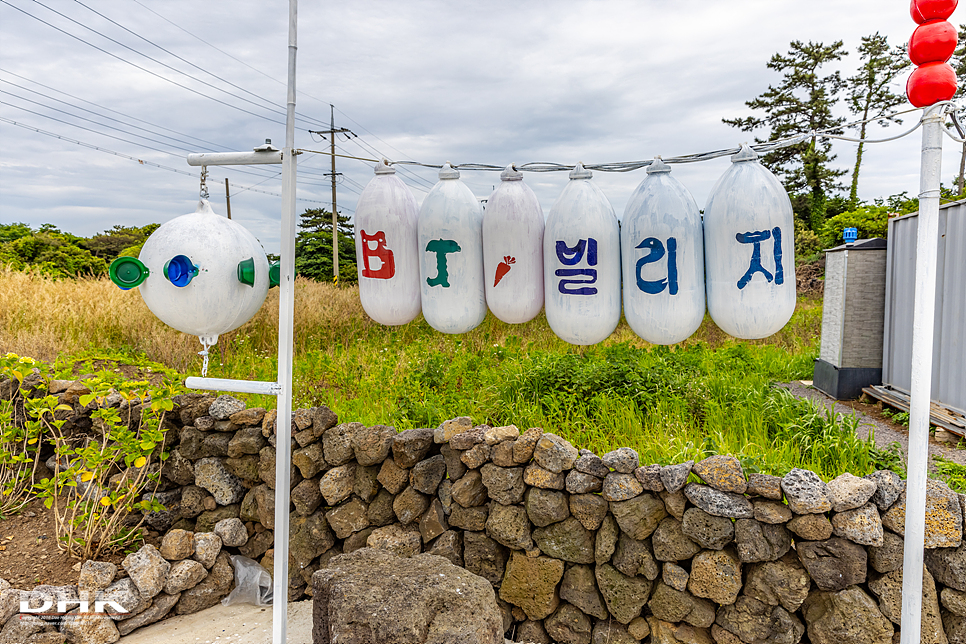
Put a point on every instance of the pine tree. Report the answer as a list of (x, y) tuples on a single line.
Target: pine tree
[(313, 247), (801, 103), (870, 95)]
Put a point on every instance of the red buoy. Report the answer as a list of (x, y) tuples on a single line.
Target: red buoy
[(930, 84), (932, 42), (924, 10)]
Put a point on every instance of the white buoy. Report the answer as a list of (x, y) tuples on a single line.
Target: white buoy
[(387, 252), (207, 274), (451, 255), (749, 250), (662, 251), (582, 263), (513, 250)]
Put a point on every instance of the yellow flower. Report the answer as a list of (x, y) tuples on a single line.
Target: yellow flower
[(86, 476), (105, 501), (140, 461)]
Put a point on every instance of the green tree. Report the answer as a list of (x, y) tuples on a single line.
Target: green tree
[(869, 92), (802, 102), (313, 247), (118, 240), (51, 252), (958, 62)]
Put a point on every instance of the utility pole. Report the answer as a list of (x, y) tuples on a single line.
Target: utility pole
[(331, 132), (227, 198)]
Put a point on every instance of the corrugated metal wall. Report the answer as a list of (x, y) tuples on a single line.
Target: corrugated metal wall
[(949, 349)]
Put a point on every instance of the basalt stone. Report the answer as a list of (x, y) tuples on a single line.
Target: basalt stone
[(671, 605), (192, 406), (545, 507), (247, 440), (502, 454), (392, 477), (625, 596), (78, 627), (761, 541), (944, 516), (675, 503), (955, 626), (372, 445), (244, 467), (473, 519), (723, 473), (675, 576), (469, 490), (568, 625), (765, 485), (849, 492), (148, 570), (533, 632), (508, 524), (580, 483), (258, 544), (410, 505), (357, 540), (467, 440), (888, 487), (426, 475), (94, 575), (848, 616), (484, 557), (554, 454), (206, 520), (266, 469), (954, 601), (531, 584), (124, 593), (861, 525), (782, 583), (536, 476), (620, 487), (716, 575), (455, 468), (475, 458), (348, 518), (718, 503), (640, 516), (670, 633), (567, 540), (175, 545), (445, 495), (224, 406), (633, 557), (445, 432), (888, 588), (888, 556), (638, 628), (183, 575), (805, 492), (811, 527), (771, 511), (502, 434), (623, 459), (833, 564), (309, 460), (232, 533), (380, 511), (307, 497), (671, 544), (336, 484), (449, 545), (611, 632), (265, 504), (337, 443), (523, 447), (579, 587), (400, 541), (755, 621), (212, 475), (948, 566), (215, 445), (675, 476), (590, 463), (323, 419), (309, 537), (650, 478), (503, 484), (178, 469), (411, 446), (210, 591), (433, 522), (589, 509), (302, 419), (606, 540)]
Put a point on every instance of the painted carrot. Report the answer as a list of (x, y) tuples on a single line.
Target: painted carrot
[(503, 268)]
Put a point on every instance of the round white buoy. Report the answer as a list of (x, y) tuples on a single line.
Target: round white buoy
[(451, 255), (206, 275), (582, 263), (749, 250), (513, 250), (387, 253), (662, 248)]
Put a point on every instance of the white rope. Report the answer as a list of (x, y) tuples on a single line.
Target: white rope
[(205, 344)]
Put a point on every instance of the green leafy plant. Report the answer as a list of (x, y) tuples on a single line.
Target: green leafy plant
[(951, 472)]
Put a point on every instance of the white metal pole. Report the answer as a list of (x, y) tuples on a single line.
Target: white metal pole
[(923, 324), (286, 317)]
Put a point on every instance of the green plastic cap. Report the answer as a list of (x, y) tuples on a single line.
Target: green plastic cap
[(128, 272), (274, 274), (246, 271)]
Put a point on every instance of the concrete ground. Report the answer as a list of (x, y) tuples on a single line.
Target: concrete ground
[(239, 624)]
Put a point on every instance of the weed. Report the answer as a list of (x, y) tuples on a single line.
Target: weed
[(951, 472)]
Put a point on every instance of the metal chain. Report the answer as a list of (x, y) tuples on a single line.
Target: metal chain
[(204, 187)]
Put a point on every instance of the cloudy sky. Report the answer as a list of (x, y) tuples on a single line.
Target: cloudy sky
[(494, 82)]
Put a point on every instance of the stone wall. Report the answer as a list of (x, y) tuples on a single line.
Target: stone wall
[(580, 548)]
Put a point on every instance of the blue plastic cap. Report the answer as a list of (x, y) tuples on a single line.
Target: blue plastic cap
[(180, 271), (850, 235)]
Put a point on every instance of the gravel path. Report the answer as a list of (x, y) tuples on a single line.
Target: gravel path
[(885, 433)]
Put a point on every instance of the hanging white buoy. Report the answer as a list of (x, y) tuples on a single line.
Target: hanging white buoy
[(513, 250), (582, 263), (662, 248), (202, 274), (451, 255), (749, 250), (387, 253)]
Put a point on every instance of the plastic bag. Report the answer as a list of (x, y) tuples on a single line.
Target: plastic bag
[(253, 584)]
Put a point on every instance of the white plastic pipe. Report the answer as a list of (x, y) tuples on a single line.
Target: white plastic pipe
[(235, 158), (286, 319), (923, 324), (239, 386)]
